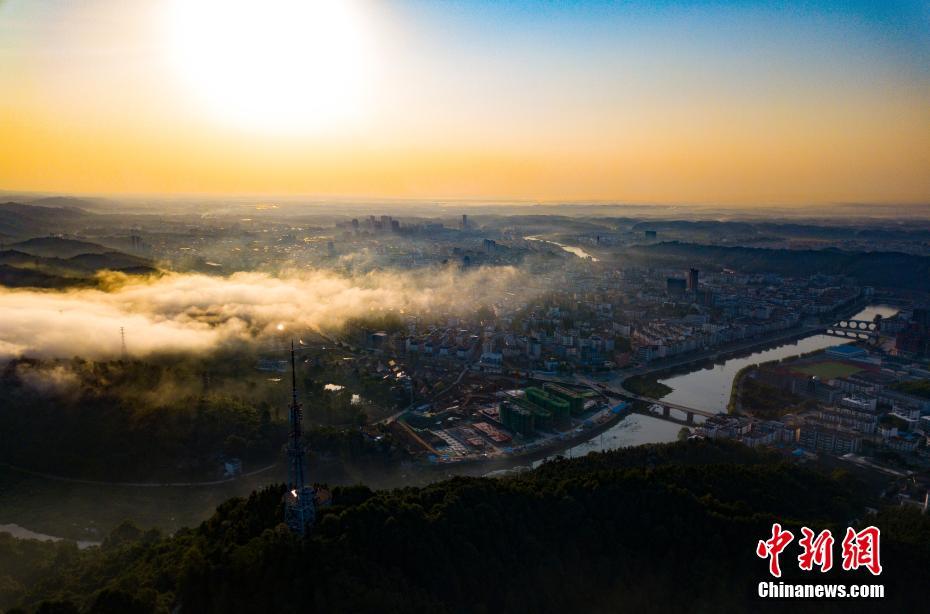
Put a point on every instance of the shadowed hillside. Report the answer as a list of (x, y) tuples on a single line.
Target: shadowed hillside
[(56, 247), (651, 529), (18, 221), (52, 262)]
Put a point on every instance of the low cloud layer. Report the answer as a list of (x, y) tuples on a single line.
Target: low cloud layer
[(184, 312)]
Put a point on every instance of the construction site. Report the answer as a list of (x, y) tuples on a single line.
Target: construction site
[(494, 422)]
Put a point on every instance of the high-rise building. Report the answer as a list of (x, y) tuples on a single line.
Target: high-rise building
[(915, 338), (464, 221), (693, 280)]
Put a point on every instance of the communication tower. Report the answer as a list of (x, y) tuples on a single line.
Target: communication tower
[(299, 500)]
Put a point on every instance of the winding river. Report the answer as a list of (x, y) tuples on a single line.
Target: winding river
[(571, 249), (707, 388)]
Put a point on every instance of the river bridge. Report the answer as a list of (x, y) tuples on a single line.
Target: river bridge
[(667, 407), (847, 328), (858, 330)]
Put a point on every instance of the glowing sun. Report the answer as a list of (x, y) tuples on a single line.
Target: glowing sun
[(279, 65)]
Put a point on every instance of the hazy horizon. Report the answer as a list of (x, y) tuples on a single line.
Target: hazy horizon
[(732, 104), (295, 204)]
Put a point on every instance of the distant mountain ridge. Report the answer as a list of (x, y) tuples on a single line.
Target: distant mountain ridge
[(749, 229), (65, 202), (57, 247), (52, 262), (880, 269), (18, 220)]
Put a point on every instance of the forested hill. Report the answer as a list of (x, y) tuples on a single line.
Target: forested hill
[(881, 269), (668, 528), (53, 262)]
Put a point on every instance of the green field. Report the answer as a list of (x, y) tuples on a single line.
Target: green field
[(828, 369)]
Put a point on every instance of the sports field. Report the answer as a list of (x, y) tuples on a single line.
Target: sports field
[(828, 369)]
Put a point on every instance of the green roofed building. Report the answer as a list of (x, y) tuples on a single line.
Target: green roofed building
[(559, 409), (575, 400), (517, 418)]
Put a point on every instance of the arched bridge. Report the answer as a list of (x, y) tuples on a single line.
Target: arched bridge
[(862, 330), (657, 408)]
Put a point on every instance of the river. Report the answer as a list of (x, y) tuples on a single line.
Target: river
[(571, 249), (45, 504), (633, 430), (708, 389)]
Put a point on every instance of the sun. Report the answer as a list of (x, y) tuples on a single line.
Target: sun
[(277, 65)]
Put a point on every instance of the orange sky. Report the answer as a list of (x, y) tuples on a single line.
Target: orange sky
[(102, 98)]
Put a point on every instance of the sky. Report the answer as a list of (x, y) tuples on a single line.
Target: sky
[(738, 103)]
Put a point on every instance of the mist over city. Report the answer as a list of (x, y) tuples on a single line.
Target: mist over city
[(525, 306)]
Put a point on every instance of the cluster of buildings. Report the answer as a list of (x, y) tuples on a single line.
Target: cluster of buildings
[(727, 308), (851, 399), (601, 322), (570, 314), (751, 432), (503, 421), (546, 409), (577, 315)]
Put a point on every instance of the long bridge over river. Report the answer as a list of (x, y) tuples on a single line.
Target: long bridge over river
[(857, 330), (689, 412)]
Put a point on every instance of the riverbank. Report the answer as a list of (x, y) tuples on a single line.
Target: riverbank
[(709, 385), (87, 511), (571, 249), (548, 449), (739, 349), (681, 367)]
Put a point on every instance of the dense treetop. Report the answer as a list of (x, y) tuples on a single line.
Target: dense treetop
[(655, 528)]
